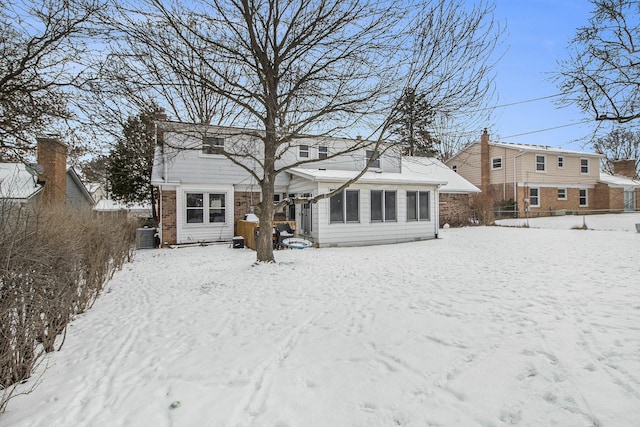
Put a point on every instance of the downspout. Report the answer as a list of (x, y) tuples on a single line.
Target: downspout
[(515, 177), (437, 210)]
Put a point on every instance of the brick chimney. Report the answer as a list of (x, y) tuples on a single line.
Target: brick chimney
[(626, 167), (52, 156), (484, 161)]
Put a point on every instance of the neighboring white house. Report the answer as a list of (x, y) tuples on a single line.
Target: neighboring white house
[(202, 194)]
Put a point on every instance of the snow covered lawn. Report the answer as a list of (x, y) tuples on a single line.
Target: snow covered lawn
[(486, 326)]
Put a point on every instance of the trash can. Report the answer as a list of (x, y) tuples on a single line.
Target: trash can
[(238, 242)]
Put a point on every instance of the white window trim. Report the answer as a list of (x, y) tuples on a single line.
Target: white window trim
[(384, 206), (565, 193), (535, 165), (429, 207), (531, 204), (343, 193), (373, 164), (202, 149), (205, 214), (303, 150), (586, 197), (493, 159), (588, 166), (563, 162)]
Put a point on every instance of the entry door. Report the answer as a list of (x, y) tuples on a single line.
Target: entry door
[(629, 201)]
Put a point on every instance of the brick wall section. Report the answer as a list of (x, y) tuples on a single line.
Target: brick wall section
[(243, 205), (52, 156), (168, 217), (549, 202), (625, 168), (455, 209)]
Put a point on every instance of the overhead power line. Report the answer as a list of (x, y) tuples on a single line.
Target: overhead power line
[(548, 129)]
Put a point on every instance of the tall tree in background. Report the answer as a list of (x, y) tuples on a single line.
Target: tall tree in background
[(603, 70), (619, 144), (130, 161), (413, 125), (42, 47), (290, 68)]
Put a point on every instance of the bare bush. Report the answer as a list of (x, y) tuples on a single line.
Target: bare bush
[(53, 265)]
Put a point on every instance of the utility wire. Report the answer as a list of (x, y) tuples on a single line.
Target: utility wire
[(547, 129)]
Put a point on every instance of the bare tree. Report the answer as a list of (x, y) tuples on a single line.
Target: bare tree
[(602, 74), (41, 52), (619, 144), (289, 68)]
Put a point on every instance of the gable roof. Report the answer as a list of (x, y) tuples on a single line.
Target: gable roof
[(18, 182), (369, 177), (75, 179), (434, 168), (618, 181), (528, 148)]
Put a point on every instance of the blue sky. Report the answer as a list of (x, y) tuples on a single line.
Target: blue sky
[(538, 33)]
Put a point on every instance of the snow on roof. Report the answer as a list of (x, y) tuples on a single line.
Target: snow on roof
[(17, 181), (108, 205), (618, 180), (541, 148), (369, 177), (434, 168)]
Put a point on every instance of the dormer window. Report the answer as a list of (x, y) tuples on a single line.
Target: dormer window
[(376, 158), (212, 145)]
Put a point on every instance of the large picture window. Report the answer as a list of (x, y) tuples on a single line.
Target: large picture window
[(383, 206), (199, 212), (418, 206), (345, 207)]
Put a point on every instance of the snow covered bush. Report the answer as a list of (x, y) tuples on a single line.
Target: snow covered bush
[(53, 265)]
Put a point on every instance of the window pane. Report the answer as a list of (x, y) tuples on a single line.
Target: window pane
[(540, 163), (412, 207), (389, 205), (353, 206), (195, 200), (584, 165), (376, 205), (322, 152), (424, 205), (376, 157), (216, 208), (304, 151), (195, 216), (336, 208)]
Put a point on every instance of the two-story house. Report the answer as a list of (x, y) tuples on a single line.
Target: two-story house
[(541, 180), (202, 193)]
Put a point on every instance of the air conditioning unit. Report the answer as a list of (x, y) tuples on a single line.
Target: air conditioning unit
[(146, 238)]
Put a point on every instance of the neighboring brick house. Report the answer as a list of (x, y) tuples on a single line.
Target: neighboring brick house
[(541, 180)]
